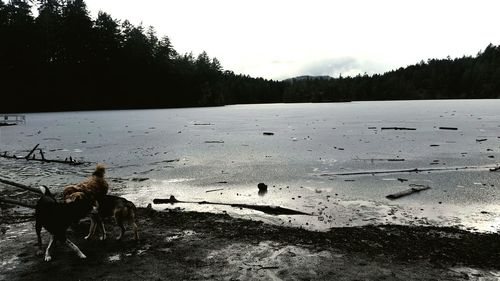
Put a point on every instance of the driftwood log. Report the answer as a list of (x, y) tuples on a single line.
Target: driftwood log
[(416, 170), (398, 128), (414, 189), (20, 185), (272, 210), (31, 157), (15, 202)]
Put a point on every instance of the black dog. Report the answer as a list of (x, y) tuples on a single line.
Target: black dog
[(56, 217)]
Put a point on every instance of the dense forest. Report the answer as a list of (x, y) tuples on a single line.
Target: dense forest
[(460, 78), (54, 57), (64, 60)]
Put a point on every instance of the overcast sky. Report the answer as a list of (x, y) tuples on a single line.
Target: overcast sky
[(278, 39)]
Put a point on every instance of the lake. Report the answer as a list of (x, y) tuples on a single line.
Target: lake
[(336, 161)]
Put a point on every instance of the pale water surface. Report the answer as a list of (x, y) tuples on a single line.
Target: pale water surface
[(224, 149)]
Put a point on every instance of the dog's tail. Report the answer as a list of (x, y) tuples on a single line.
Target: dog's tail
[(100, 169), (45, 190)]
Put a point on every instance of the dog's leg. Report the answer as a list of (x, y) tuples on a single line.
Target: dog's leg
[(47, 252), (75, 248), (119, 222), (92, 228), (134, 225), (38, 228), (136, 233), (103, 237)]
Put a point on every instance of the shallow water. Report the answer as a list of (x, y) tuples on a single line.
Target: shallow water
[(220, 154)]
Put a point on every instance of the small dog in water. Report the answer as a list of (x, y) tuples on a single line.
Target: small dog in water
[(117, 207), (56, 217)]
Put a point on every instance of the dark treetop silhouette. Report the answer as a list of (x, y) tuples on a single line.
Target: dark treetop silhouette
[(64, 60)]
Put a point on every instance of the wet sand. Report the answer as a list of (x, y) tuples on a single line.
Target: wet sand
[(202, 246)]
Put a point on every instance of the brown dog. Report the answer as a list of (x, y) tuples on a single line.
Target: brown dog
[(96, 185)]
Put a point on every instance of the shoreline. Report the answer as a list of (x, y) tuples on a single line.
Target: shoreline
[(177, 245)]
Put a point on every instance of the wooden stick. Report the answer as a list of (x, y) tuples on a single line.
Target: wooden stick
[(4, 181), (15, 202), (41, 153), (272, 210), (31, 152)]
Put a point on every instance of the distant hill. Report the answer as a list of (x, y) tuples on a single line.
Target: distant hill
[(308, 77)]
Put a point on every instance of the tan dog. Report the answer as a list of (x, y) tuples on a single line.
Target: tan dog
[(96, 185), (117, 207)]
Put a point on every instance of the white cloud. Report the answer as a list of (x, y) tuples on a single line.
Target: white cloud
[(248, 36)]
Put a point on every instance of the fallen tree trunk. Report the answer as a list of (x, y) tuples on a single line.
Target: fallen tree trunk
[(415, 170), (66, 161), (15, 202), (32, 189), (415, 188), (268, 209)]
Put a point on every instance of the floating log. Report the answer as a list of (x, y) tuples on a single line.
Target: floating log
[(380, 159), (20, 185), (495, 169), (415, 188), (448, 128), (15, 202), (6, 124), (213, 190), (416, 170), (398, 128), (272, 210)]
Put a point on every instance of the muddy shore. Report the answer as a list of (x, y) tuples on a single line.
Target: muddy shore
[(176, 245)]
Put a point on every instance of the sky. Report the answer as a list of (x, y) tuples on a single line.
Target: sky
[(279, 39)]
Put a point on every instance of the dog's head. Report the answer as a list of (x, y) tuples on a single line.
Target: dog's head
[(100, 169), (83, 198)]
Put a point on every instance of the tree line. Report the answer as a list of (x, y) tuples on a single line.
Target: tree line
[(62, 59), (460, 78)]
